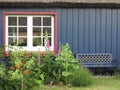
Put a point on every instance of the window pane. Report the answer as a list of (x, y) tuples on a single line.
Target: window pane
[(46, 21), (23, 21), (48, 30), (12, 41), (12, 31), (22, 42), (22, 31), (36, 21), (36, 41), (44, 41), (37, 31), (12, 21)]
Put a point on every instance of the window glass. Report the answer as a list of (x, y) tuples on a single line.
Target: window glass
[(22, 41), (46, 21), (22, 31), (12, 31), (48, 30), (36, 41), (12, 21), (22, 21), (12, 41), (36, 21), (37, 31)]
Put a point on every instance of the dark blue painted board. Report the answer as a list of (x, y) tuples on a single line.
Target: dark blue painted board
[(86, 35), (70, 28), (75, 31), (98, 30), (92, 31), (81, 30), (103, 29), (114, 32), (108, 31)]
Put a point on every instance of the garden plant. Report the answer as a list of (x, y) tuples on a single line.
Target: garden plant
[(29, 69)]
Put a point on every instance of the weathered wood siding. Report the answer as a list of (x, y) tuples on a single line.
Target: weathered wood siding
[(87, 30)]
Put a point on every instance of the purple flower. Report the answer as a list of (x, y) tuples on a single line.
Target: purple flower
[(59, 50), (38, 59), (47, 43)]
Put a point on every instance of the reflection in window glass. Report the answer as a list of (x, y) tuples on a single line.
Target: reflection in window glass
[(22, 42), (36, 41), (23, 21), (46, 21), (37, 31), (48, 30), (12, 21), (22, 31), (12, 31), (36, 21), (12, 41)]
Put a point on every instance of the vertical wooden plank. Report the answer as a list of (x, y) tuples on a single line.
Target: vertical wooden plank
[(109, 36), (118, 40), (86, 30), (70, 27), (114, 32), (63, 24), (98, 30), (59, 25), (75, 31), (103, 30), (81, 32), (92, 31)]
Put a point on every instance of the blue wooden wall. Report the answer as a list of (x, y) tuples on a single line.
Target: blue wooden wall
[(87, 30)]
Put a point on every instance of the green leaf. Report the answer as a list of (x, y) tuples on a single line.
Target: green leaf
[(65, 73)]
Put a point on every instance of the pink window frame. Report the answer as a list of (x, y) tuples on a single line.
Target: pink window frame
[(33, 13)]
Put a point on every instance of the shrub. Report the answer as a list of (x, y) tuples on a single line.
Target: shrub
[(81, 77), (50, 68), (23, 69), (66, 60)]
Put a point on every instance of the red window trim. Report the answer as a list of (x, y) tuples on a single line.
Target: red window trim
[(33, 13)]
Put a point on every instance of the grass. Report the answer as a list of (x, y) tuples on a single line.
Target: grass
[(100, 83)]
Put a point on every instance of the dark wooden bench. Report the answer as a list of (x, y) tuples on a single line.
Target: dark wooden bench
[(96, 60)]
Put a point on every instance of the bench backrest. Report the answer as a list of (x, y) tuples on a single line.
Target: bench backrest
[(95, 59)]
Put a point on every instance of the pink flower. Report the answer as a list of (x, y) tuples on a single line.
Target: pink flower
[(47, 43), (38, 59)]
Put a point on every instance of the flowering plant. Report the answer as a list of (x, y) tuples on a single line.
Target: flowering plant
[(24, 69)]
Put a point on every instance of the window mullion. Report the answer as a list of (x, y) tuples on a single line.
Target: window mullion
[(17, 30), (42, 31), (29, 32)]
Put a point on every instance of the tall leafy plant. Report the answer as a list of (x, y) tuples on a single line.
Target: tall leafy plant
[(67, 61)]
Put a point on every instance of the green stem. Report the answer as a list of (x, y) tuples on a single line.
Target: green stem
[(22, 81)]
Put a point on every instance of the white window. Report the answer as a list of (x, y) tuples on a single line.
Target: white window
[(29, 31)]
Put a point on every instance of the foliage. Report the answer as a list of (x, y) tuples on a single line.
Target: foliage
[(81, 77), (32, 69), (66, 60), (1, 52), (50, 68), (117, 74), (23, 69)]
